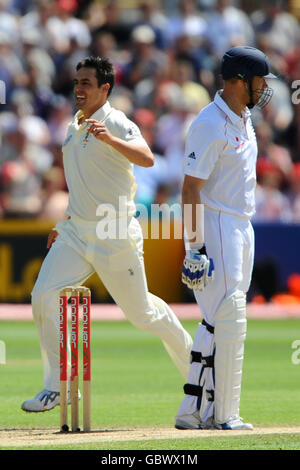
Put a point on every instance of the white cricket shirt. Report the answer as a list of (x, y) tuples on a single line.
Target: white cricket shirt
[(221, 148), (95, 172)]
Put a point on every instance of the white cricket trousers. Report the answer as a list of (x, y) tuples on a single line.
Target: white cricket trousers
[(75, 255), (230, 243)]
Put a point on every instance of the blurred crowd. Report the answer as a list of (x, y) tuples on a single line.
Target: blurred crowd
[(167, 56)]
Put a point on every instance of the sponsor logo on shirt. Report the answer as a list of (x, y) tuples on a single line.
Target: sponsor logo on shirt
[(132, 131), (192, 155)]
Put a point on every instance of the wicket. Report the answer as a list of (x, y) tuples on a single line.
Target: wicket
[(84, 294)]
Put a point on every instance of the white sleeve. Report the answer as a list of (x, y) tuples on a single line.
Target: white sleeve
[(133, 133), (129, 131), (203, 147)]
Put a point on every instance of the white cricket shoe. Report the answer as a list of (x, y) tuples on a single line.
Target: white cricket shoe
[(44, 401), (234, 423), (192, 421)]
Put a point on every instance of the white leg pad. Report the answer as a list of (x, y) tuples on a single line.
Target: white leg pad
[(230, 334), (200, 376)]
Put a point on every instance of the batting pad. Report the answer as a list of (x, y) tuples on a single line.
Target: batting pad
[(200, 387), (230, 334)]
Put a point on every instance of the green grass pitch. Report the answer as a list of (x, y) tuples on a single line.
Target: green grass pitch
[(134, 383)]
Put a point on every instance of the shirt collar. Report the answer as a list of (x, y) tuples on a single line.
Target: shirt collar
[(99, 115), (102, 112), (234, 118)]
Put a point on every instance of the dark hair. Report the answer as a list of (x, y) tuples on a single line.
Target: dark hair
[(105, 71)]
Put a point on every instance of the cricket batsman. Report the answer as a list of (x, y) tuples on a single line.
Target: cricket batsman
[(220, 176)]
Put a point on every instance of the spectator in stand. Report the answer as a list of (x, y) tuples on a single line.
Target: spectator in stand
[(186, 48), (21, 7), (277, 154), (172, 126), (12, 72), (146, 57), (9, 23), (147, 91), (56, 154), (36, 56), (19, 183), (277, 59), (168, 66), (150, 15), (274, 165), (148, 181), (94, 16), (60, 116), (279, 25), (54, 195), (176, 113), (42, 94), (77, 51), (36, 19), (25, 139), (279, 113), (69, 48), (231, 13), (37, 138), (9, 132), (187, 21), (271, 204), (227, 26), (105, 45), (20, 191), (121, 98), (114, 24), (195, 95), (82, 7), (21, 102), (64, 28)]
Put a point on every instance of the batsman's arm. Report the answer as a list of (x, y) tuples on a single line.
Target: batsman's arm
[(192, 209), (197, 268)]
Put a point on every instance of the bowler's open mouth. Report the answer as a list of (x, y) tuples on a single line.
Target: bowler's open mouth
[(80, 99)]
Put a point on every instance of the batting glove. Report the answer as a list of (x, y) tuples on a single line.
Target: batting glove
[(197, 269)]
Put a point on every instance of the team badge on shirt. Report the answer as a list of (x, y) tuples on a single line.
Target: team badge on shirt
[(240, 144), (86, 139)]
